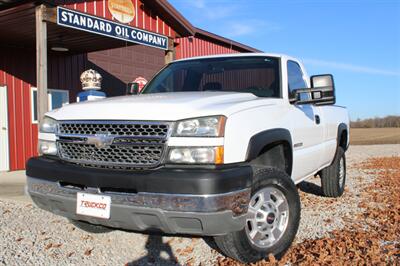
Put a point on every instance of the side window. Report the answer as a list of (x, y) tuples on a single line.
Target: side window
[(295, 77)]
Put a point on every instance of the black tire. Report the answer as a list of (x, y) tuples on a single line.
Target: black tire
[(331, 183), (237, 244), (90, 228)]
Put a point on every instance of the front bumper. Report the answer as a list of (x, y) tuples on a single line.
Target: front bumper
[(170, 210)]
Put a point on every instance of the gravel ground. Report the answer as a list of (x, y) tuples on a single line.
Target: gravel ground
[(32, 236)]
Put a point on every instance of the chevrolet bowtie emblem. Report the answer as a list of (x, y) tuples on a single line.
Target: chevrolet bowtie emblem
[(100, 140)]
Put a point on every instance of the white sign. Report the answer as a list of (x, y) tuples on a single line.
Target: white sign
[(81, 21), (93, 205)]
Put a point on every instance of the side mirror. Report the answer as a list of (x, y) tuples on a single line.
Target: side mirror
[(322, 91), (132, 88)]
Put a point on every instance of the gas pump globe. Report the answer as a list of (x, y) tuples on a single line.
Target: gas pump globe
[(91, 84)]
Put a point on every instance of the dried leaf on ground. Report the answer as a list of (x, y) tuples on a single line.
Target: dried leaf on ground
[(88, 251), (362, 241), (52, 245)]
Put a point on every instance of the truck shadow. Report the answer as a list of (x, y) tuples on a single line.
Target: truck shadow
[(310, 188), (155, 247)]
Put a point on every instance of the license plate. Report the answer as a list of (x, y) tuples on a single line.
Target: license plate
[(93, 205)]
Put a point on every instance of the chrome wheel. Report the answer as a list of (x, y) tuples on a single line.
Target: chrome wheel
[(267, 217), (341, 172)]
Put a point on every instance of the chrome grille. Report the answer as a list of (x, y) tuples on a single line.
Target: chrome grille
[(132, 145), (115, 128), (114, 154)]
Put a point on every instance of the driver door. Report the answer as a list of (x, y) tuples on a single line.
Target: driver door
[(307, 131)]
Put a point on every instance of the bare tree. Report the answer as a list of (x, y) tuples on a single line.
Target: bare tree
[(388, 121)]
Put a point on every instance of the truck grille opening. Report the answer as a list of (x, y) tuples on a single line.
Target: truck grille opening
[(124, 145), (117, 129)]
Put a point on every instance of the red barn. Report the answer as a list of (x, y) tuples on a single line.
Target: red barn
[(46, 45)]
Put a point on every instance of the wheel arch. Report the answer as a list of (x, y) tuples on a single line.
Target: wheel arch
[(342, 136), (272, 147)]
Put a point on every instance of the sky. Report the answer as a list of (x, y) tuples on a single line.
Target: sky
[(358, 41)]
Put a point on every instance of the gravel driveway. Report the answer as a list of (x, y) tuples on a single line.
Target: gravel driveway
[(29, 235)]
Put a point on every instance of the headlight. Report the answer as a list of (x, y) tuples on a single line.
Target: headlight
[(212, 126), (197, 155), (48, 125), (47, 147)]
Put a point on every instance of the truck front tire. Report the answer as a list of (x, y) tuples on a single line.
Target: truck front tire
[(272, 220), (333, 177)]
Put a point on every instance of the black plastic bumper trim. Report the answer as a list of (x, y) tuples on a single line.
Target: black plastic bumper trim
[(162, 180)]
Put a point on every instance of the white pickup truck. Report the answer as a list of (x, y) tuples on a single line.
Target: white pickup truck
[(212, 146)]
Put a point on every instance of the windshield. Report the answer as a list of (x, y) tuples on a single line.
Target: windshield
[(253, 74)]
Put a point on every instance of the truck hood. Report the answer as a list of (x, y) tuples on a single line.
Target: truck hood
[(158, 106)]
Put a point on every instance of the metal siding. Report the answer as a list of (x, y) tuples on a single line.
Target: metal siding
[(177, 49), (200, 47), (17, 131), (190, 47), (80, 7), (197, 47), (152, 20), (160, 26), (136, 20), (107, 12), (12, 113), (139, 15), (194, 47), (20, 129), (17, 72), (147, 19), (144, 18), (98, 8), (90, 7)]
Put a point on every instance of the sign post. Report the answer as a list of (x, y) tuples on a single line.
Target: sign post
[(41, 62)]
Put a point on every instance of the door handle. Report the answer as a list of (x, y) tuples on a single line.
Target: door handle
[(317, 119), (4, 128)]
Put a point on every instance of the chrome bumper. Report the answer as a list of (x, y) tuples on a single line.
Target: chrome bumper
[(214, 214)]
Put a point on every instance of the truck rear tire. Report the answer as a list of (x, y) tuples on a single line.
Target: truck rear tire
[(333, 177), (90, 228), (272, 220)]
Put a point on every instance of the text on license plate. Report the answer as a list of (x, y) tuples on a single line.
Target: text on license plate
[(93, 205)]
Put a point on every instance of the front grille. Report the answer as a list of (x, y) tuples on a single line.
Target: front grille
[(117, 129), (113, 154), (133, 144)]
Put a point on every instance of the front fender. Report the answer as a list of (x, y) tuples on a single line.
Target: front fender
[(266, 138)]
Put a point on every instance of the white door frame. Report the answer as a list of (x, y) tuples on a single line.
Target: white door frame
[(4, 127)]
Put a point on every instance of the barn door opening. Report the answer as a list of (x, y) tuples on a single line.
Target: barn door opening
[(4, 150)]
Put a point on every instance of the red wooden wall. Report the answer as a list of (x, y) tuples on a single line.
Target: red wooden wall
[(17, 72), (197, 46), (145, 18)]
